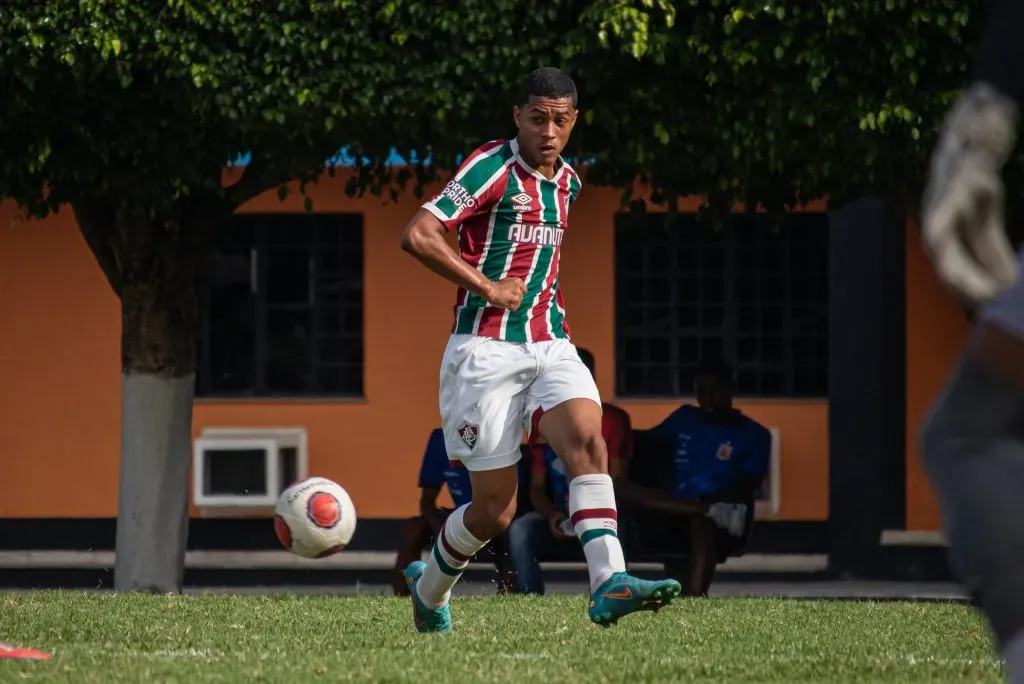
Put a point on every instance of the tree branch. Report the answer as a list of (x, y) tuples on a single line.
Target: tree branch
[(261, 175), (97, 223), (267, 172)]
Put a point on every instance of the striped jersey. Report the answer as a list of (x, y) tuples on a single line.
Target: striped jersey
[(511, 221)]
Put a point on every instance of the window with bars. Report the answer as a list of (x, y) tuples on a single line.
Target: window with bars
[(285, 314), (752, 291)]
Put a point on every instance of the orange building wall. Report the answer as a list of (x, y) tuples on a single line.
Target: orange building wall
[(60, 395)]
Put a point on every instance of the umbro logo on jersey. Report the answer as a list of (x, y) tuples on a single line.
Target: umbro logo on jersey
[(521, 202)]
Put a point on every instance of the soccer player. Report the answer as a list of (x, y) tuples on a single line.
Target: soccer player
[(973, 441), (509, 364)]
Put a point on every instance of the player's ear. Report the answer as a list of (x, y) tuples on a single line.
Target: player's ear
[(515, 115)]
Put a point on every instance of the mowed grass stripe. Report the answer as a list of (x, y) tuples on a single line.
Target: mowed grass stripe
[(111, 638)]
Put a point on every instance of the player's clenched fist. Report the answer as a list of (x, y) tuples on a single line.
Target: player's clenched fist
[(962, 208), (507, 293)]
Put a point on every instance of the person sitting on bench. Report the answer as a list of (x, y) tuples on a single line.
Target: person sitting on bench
[(718, 459), (420, 531)]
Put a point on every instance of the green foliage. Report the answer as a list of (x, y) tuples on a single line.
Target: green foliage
[(775, 103), (139, 102), (147, 100)]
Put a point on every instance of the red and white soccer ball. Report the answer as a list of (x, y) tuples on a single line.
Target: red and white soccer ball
[(315, 518)]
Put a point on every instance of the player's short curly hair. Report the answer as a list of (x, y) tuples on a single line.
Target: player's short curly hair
[(548, 82)]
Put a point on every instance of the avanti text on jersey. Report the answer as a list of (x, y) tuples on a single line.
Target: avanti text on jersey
[(536, 234)]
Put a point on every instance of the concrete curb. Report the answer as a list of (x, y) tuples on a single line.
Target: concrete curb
[(359, 560)]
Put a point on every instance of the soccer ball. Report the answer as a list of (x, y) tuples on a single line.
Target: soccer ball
[(315, 518)]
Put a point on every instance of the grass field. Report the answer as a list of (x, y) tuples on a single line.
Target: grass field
[(108, 638)]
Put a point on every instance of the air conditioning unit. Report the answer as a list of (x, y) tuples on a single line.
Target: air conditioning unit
[(247, 468), (769, 497)]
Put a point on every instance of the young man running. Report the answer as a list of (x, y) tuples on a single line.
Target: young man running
[(509, 364)]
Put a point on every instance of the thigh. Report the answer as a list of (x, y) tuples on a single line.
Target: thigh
[(562, 378), (482, 394)]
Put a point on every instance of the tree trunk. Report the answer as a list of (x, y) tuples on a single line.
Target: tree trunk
[(152, 507), (158, 269), (161, 272)]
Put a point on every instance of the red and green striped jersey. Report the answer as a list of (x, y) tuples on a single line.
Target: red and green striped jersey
[(511, 221)]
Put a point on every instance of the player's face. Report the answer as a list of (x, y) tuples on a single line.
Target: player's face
[(713, 395), (544, 127)]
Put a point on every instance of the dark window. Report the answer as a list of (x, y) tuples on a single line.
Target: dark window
[(753, 291), (285, 315)]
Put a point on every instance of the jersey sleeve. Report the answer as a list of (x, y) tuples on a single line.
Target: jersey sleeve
[(475, 189), (435, 459)]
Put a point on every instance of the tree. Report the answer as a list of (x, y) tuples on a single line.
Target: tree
[(755, 102), (126, 112)]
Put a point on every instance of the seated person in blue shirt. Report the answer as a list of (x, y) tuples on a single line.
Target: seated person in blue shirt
[(720, 457), (421, 531)]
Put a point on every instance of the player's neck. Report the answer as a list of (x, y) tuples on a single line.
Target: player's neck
[(546, 170)]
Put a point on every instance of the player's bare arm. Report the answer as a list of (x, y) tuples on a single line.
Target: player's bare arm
[(424, 238)]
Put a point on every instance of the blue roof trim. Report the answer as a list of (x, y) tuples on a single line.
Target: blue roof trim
[(343, 158)]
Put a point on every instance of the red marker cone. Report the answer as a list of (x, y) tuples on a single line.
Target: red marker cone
[(14, 653)]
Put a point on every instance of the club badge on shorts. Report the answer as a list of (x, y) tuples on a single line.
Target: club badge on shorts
[(468, 434), (724, 451)]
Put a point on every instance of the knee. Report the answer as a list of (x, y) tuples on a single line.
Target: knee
[(493, 516)]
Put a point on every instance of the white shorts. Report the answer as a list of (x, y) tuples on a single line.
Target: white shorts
[(492, 390), (1007, 311)]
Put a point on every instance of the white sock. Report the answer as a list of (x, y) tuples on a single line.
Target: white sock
[(1013, 654), (593, 515), (449, 557)]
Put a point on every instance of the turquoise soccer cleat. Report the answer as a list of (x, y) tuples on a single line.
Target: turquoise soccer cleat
[(622, 594), (426, 619)]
